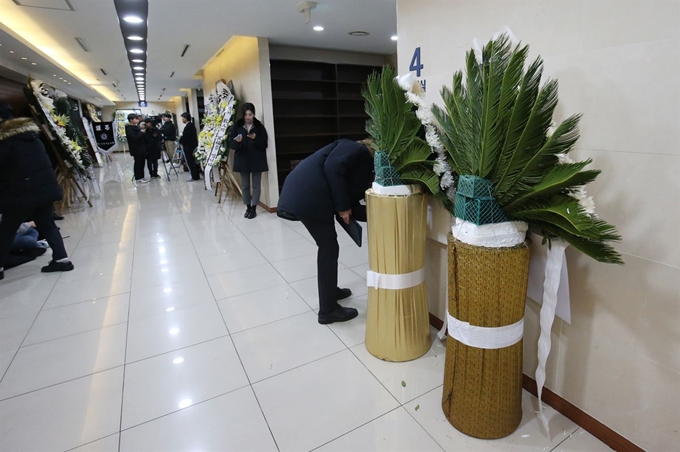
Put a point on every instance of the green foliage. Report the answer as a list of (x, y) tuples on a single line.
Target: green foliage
[(394, 126), (494, 125)]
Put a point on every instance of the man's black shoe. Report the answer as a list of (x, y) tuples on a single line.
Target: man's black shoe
[(341, 294), (55, 266), (340, 314)]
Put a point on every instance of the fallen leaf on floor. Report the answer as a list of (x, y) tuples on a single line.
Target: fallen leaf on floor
[(417, 407), (403, 383)]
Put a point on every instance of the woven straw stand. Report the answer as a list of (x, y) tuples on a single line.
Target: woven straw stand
[(483, 388)]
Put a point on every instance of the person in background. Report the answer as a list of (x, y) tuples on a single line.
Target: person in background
[(169, 135), (249, 140), (26, 240), (189, 142), (330, 182), (152, 141), (137, 146), (28, 187)]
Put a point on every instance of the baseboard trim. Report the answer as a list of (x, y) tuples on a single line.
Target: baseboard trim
[(267, 208), (575, 414)]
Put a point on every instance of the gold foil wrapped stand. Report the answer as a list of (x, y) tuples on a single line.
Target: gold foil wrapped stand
[(397, 323), (483, 387)]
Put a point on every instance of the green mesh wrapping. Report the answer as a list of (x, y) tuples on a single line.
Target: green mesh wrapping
[(474, 187), (385, 174), (478, 210)]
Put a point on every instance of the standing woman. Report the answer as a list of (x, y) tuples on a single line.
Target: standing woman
[(249, 140), (152, 140), (189, 142), (135, 139)]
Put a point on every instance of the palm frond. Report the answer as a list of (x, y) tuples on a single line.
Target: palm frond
[(454, 123), (558, 179), (565, 213), (419, 152), (423, 177), (392, 124), (526, 98), (495, 58), (596, 249)]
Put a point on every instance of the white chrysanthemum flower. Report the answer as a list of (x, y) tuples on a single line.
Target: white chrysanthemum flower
[(563, 159), (451, 192), (414, 99), (588, 205), (447, 181), (433, 139)]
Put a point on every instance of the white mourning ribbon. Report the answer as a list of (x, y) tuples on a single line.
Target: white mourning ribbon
[(488, 338), (553, 271), (395, 282)]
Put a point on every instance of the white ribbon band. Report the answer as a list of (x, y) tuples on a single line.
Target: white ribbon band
[(395, 282), (485, 337)]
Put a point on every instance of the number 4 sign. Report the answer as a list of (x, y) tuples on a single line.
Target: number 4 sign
[(416, 65)]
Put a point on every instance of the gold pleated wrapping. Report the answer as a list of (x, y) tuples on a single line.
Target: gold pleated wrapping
[(483, 388), (397, 321)]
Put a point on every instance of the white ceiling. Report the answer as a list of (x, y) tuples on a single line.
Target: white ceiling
[(205, 25)]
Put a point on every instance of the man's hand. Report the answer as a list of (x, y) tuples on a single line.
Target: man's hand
[(251, 136), (345, 215), (238, 138)]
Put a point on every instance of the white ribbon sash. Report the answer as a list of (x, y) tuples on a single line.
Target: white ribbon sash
[(488, 338), (395, 282)]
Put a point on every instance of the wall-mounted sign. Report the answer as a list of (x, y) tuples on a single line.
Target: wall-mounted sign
[(417, 65), (142, 103)]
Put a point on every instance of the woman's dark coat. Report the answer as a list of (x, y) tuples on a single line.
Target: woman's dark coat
[(27, 179), (251, 155), (189, 138), (152, 142), (333, 179), (135, 139)]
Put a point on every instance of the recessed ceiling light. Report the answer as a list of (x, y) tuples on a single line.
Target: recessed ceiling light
[(34, 64), (359, 33), (394, 38), (24, 58), (138, 68), (69, 83), (318, 28), (135, 38), (137, 61), (141, 74), (139, 78), (55, 75), (11, 51), (136, 51), (133, 19)]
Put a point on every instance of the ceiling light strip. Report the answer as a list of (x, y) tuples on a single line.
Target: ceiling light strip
[(133, 19)]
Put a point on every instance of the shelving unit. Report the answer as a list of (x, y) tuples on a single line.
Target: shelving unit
[(315, 104)]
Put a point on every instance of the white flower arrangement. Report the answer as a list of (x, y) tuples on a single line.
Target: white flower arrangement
[(414, 96), (58, 125)]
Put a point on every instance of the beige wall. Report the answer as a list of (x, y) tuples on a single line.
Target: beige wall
[(242, 60), (154, 107), (618, 63)]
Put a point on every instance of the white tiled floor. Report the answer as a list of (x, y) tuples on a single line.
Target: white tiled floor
[(187, 327)]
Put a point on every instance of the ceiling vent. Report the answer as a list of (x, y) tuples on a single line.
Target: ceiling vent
[(173, 73), (104, 72), (59, 5), (186, 47), (358, 33)]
